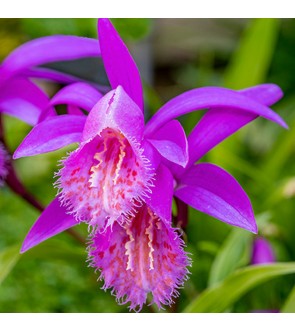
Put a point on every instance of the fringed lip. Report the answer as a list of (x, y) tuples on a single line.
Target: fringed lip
[(144, 256), (106, 179)]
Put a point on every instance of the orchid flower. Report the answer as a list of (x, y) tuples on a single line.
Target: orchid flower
[(262, 252), (122, 177)]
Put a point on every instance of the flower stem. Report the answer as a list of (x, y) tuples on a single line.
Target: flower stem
[(181, 219)]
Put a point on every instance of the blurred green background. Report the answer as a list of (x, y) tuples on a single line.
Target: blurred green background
[(173, 55)]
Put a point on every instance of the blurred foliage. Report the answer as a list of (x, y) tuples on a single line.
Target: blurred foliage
[(133, 29), (219, 298), (251, 60), (34, 27), (54, 276)]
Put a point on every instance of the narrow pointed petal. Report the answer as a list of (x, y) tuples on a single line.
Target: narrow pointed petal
[(53, 220), (218, 124), (209, 97), (145, 256), (119, 64), (115, 110), (50, 75), (74, 110), (59, 77), (78, 94), (262, 252), (170, 141), (24, 100), (266, 94), (48, 49), (52, 134), (212, 190), (160, 200)]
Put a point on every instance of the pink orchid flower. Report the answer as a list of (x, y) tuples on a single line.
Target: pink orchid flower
[(122, 177)]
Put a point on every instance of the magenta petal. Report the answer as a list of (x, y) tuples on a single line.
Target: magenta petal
[(212, 190), (217, 124), (266, 94), (74, 110), (79, 94), (53, 220), (59, 77), (22, 99), (51, 135), (170, 141), (210, 97), (118, 111), (48, 49), (50, 74), (160, 200), (119, 64)]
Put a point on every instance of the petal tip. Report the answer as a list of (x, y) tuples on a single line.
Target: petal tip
[(252, 227), (282, 122), (25, 247), (20, 152), (184, 162), (16, 155)]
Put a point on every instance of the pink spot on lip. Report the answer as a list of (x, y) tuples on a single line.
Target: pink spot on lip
[(75, 171), (112, 248)]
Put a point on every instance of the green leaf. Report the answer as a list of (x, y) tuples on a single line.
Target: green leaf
[(220, 297), (8, 258), (289, 305), (251, 60), (233, 250), (279, 155)]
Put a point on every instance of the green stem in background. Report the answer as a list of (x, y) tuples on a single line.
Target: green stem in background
[(252, 58), (289, 305), (223, 295)]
